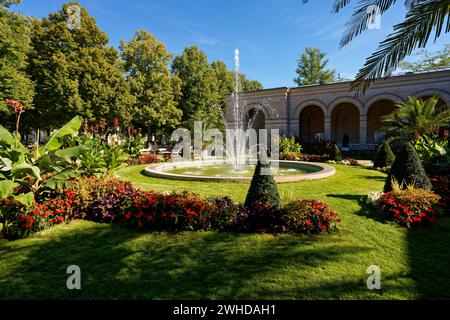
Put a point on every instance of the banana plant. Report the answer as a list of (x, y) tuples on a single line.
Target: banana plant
[(17, 163)]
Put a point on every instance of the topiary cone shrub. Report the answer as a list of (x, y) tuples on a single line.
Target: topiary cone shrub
[(336, 154), (263, 188), (407, 169), (384, 157)]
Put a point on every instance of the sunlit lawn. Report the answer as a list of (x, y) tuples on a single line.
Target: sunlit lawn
[(127, 264)]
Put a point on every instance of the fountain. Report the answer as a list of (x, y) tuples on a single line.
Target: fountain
[(241, 151)]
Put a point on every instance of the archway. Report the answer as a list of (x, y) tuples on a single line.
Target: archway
[(312, 124), (345, 121), (255, 119), (375, 113)]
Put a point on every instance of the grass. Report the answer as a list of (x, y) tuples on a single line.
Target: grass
[(119, 263)]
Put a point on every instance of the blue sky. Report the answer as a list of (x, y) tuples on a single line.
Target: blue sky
[(269, 33)]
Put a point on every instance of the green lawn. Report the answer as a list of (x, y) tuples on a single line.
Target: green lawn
[(127, 264)]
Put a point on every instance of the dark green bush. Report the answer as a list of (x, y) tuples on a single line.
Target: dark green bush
[(336, 154), (263, 188), (384, 157), (407, 169)]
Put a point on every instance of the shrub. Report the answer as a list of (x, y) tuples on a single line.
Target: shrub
[(314, 157), (147, 158), (336, 154), (260, 218), (384, 157), (263, 187), (101, 199), (10, 215), (155, 211), (291, 156), (410, 206), (441, 187), (309, 216), (407, 169), (289, 145)]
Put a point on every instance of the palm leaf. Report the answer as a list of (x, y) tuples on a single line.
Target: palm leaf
[(415, 31)]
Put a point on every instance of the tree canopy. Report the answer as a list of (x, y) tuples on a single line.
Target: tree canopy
[(156, 91), (14, 47), (429, 61), (75, 70), (312, 68)]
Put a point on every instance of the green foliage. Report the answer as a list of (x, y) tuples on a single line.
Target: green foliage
[(200, 99), (133, 144), (312, 68), (415, 118), (429, 61), (263, 188), (407, 169), (384, 157), (287, 144), (310, 217), (336, 154), (14, 46), (155, 89), (431, 149), (76, 72)]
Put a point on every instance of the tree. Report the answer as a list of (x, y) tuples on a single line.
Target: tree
[(156, 91), (76, 71), (429, 61), (14, 47), (263, 188), (336, 154), (8, 3), (200, 99), (407, 170), (312, 68), (415, 118), (384, 157), (423, 18)]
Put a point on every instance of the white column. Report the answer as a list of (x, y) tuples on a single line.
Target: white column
[(363, 131), (327, 128)]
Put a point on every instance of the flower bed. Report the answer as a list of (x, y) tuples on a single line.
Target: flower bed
[(408, 207), (108, 200)]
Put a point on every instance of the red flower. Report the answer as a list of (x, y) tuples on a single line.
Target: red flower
[(128, 215)]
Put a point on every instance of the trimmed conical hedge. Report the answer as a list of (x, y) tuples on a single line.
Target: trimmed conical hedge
[(263, 187), (408, 169), (336, 154), (384, 156)]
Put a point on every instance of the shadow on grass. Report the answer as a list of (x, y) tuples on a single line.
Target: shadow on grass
[(429, 259), (118, 263), (350, 197)]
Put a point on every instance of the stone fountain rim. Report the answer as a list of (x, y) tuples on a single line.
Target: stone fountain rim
[(155, 172)]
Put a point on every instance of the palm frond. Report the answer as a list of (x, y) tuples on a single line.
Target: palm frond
[(339, 4), (421, 20)]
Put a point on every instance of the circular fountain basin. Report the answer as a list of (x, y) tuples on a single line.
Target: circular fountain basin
[(220, 171)]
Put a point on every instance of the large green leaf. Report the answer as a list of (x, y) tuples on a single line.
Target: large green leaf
[(6, 188), (25, 169), (12, 139), (26, 199), (55, 141), (72, 152)]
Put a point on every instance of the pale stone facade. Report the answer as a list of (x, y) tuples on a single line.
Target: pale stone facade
[(330, 111)]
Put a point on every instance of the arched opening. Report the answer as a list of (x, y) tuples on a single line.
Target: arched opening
[(374, 120), (255, 119), (345, 121), (312, 124)]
